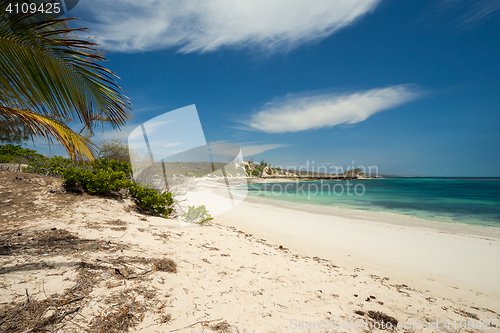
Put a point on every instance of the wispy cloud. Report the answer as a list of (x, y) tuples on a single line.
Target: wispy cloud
[(152, 108), (296, 113), (207, 25), (467, 13), (258, 149), (247, 148), (481, 10)]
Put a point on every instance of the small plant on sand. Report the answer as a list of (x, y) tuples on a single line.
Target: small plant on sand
[(198, 214)]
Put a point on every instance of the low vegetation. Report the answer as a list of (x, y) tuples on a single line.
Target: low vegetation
[(152, 202), (10, 153), (102, 176)]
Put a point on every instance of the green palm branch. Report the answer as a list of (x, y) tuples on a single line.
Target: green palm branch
[(49, 77)]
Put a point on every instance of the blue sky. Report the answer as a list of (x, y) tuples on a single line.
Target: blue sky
[(409, 86)]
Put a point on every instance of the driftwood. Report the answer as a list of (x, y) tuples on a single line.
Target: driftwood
[(194, 324)]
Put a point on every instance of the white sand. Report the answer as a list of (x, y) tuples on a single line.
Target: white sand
[(228, 275), (448, 263)]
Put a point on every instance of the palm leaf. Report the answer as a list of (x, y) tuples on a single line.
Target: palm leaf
[(46, 71), (76, 145)]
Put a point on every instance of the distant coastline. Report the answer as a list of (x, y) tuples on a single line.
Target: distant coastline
[(265, 171)]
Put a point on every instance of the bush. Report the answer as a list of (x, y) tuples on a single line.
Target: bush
[(152, 202), (76, 177), (54, 166), (101, 176), (198, 214), (106, 163), (10, 152), (107, 181), (100, 181), (6, 158)]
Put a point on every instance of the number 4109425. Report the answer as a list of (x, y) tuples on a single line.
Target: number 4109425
[(25, 8)]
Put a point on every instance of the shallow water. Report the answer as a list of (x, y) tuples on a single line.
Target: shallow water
[(474, 201)]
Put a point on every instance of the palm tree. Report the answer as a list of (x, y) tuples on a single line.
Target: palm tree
[(49, 77)]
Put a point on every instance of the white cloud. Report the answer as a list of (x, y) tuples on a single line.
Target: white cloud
[(207, 25), (299, 113)]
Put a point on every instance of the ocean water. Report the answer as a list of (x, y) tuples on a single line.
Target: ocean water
[(474, 201)]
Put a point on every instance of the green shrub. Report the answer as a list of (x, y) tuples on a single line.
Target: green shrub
[(152, 202), (100, 181), (77, 177), (198, 214), (54, 166), (107, 181), (6, 158), (10, 152), (106, 163), (101, 176), (17, 150)]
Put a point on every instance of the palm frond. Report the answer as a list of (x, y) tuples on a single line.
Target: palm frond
[(49, 76), (77, 146), (46, 71)]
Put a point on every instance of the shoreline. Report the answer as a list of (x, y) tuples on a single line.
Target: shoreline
[(384, 216), (451, 263), (464, 223)]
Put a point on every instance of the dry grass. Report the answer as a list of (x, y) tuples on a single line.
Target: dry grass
[(382, 318), (118, 320), (117, 222), (24, 248), (165, 265), (222, 327), (40, 315), (51, 242), (166, 319)]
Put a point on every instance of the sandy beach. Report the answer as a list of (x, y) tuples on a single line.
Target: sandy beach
[(84, 263), (451, 259)]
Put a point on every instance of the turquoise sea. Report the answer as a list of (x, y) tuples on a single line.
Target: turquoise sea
[(473, 201)]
